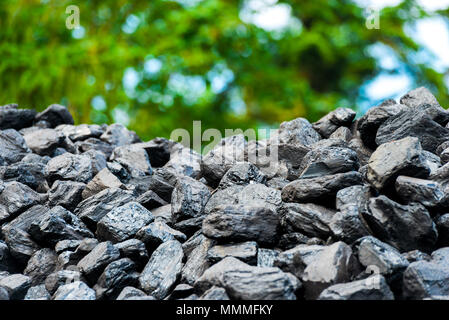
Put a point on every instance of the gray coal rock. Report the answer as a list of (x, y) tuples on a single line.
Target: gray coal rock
[(333, 120), (443, 230), (319, 189), (13, 118), (151, 200), (242, 223), (425, 122), (197, 260), (123, 222), (429, 193), (373, 252), (45, 142), (16, 234), (101, 181), (13, 146), (189, 198), (334, 264), (80, 132), (308, 218), (117, 135), (7, 263), (260, 283), (399, 157), (16, 198), (59, 224), (215, 293), (37, 293), (245, 251), (222, 157), (77, 290), (298, 132), (130, 293), (244, 282), (60, 278), (327, 161), (348, 224), (93, 209), (92, 265), (266, 257), (41, 264), (17, 286), (65, 245), (406, 227), (342, 133), (184, 162), (417, 97), (66, 194), (162, 270), (159, 232), (369, 123), (115, 277), (133, 158), (242, 173), (135, 250), (4, 294), (70, 167), (31, 174), (423, 279), (339, 209), (372, 288), (55, 115)]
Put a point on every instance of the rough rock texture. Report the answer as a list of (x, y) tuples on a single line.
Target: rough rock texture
[(401, 157), (16, 198), (123, 222), (339, 209), (37, 293), (334, 264), (102, 180), (319, 189), (74, 291), (220, 159), (17, 285), (92, 264), (96, 207), (13, 146), (372, 288), (59, 224), (245, 251), (189, 198), (13, 118), (40, 265), (237, 223), (162, 270), (55, 115), (66, 194), (406, 227), (115, 277), (326, 161), (308, 218), (246, 282), (333, 120), (70, 167), (425, 122)]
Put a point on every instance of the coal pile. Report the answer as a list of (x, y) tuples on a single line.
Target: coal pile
[(343, 209)]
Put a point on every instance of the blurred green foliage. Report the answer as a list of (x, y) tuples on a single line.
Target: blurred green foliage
[(161, 64)]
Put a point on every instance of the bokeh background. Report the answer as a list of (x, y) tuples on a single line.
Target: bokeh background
[(158, 65)]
